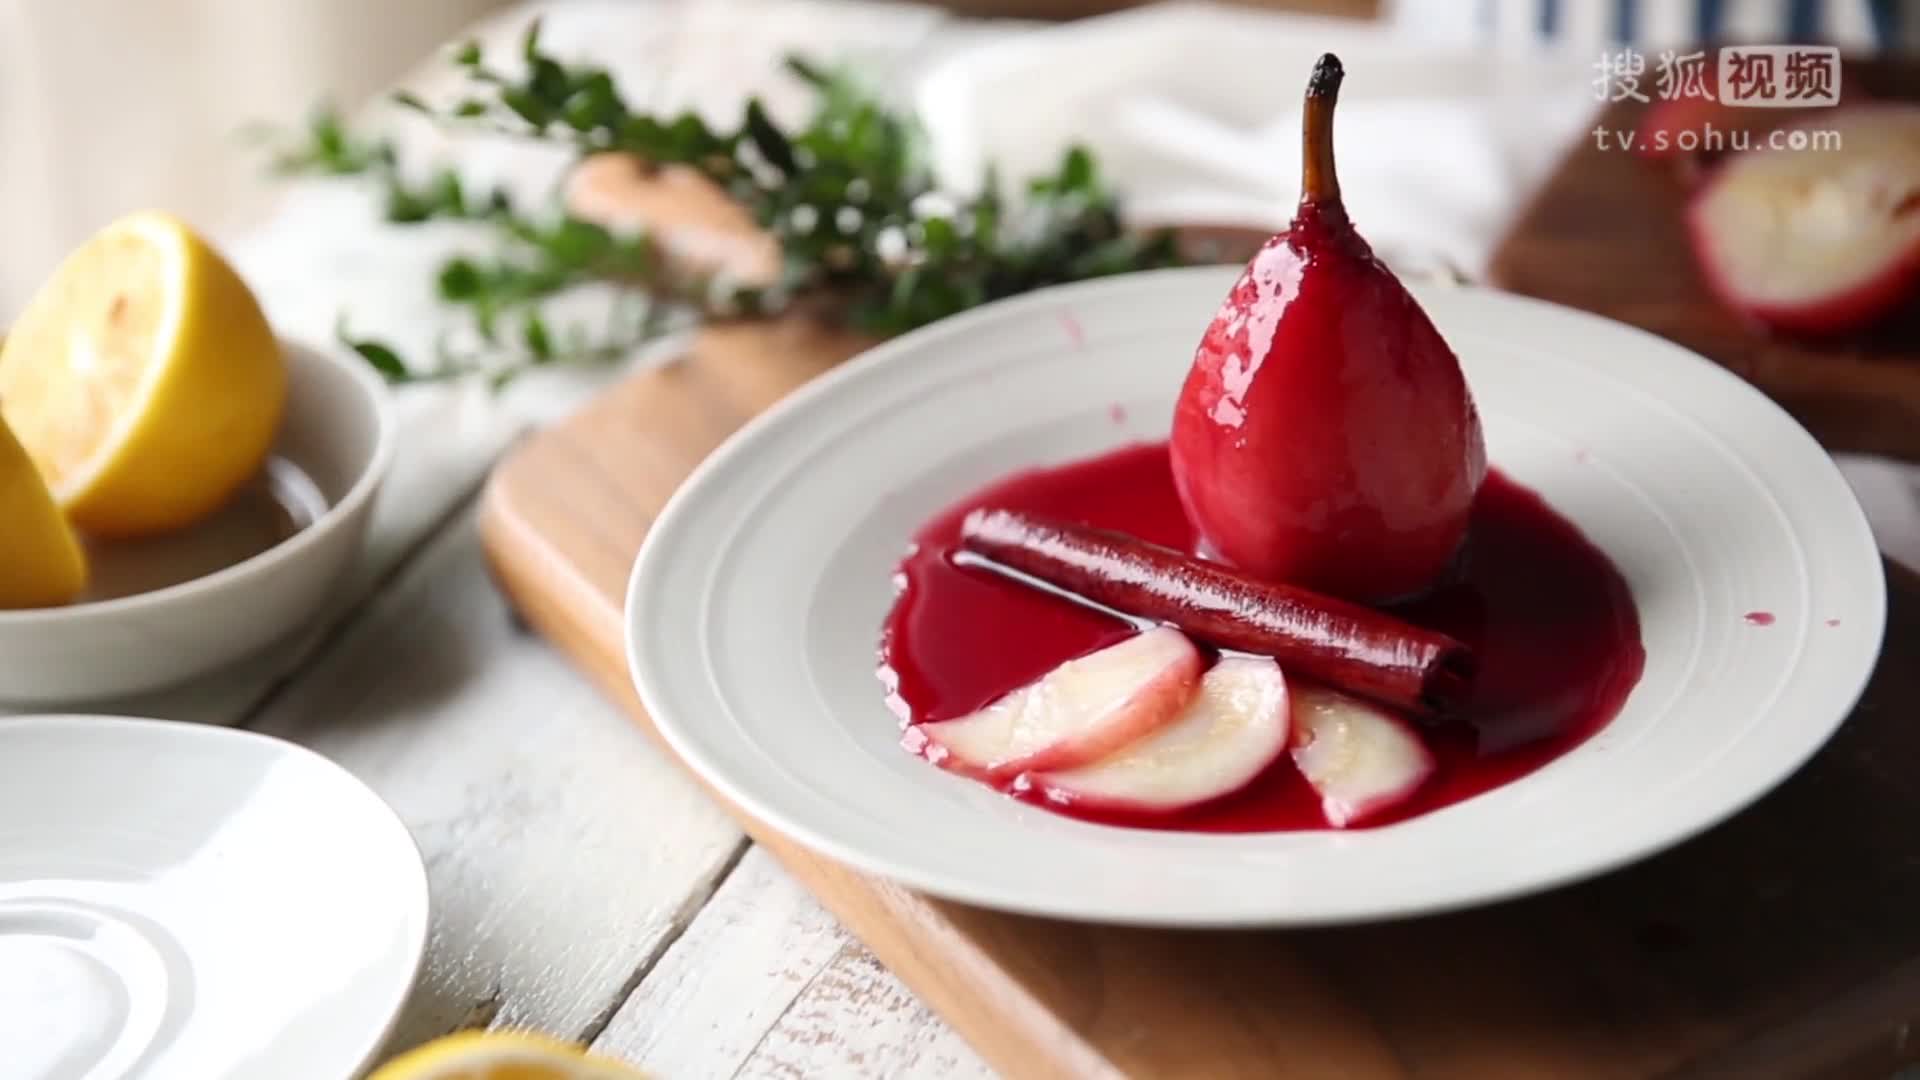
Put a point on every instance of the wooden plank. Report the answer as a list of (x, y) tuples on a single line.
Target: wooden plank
[(1758, 931), (766, 983), (564, 854)]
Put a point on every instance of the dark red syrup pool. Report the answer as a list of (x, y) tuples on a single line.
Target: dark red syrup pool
[(1551, 619)]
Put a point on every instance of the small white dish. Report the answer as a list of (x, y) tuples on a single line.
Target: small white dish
[(181, 902), (170, 609), (755, 605)]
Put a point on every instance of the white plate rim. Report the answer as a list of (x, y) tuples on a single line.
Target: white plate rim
[(684, 503)]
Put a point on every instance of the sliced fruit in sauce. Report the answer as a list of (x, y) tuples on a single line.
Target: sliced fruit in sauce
[(1360, 759), (1077, 713), (1233, 729)]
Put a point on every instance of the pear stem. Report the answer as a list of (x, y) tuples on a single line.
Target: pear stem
[(1319, 184)]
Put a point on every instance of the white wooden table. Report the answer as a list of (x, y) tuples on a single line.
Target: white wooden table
[(582, 885)]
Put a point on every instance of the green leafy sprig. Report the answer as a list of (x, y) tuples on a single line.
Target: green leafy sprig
[(860, 220)]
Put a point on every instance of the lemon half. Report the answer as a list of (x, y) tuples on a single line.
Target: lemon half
[(502, 1055), (40, 561), (143, 379)]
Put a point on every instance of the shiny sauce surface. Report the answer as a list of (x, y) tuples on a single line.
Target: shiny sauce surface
[(1551, 619)]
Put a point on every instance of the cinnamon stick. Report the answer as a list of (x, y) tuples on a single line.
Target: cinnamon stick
[(1349, 647)]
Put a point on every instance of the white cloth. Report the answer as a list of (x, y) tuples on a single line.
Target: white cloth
[(1194, 111)]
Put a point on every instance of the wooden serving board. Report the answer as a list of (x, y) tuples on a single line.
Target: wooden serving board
[(1785, 942), (1604, 233)]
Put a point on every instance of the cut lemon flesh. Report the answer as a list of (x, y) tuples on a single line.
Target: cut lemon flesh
[(502, 1055), (40, 561), (143, 379)]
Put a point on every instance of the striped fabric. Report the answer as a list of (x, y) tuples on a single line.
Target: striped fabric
[(1857, 25)]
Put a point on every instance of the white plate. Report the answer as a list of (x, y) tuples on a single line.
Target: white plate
[(755, 605), (180, 902)]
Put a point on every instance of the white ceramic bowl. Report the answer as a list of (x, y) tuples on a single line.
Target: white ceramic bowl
[(338, 435), (756, 604), (183, 902)]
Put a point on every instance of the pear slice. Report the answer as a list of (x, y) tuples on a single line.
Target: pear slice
[(1077, 713), (1360, 759), (1233, 729)]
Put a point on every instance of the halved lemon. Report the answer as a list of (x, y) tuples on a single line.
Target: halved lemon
[(40, 561), (143, 379), (502, 1055)]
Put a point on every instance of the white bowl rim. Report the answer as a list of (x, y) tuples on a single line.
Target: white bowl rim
[(421, 915), (374, 393)]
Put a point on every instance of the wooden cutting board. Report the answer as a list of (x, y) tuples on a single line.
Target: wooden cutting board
[(1785, 942)]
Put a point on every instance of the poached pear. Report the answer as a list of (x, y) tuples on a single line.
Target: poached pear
[(1325, 435)]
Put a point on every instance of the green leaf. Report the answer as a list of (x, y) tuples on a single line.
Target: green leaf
[(549, 82), (470, 108), (581, 115), (688, 138), (406, 208), (804, 69), (643, 135), (577, 243), (526, 106), (986, 223), (595, 104), (768, 139), (1077, 172), (939, 235), (447, 194), (530, 43), (468, 54), (381, 357), (328, 138), (534, 333), (459, 281), (407, 99)]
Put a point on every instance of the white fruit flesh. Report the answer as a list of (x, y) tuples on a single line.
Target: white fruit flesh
[(1078, 712), (1785, 227), (1235, 726), (1360, 759)]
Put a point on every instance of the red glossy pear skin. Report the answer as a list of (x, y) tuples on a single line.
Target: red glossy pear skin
[(1325, 435)]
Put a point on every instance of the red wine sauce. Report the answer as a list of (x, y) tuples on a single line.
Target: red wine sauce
[(1552, 621)]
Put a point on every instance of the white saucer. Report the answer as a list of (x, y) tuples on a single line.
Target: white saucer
[(180, 902), (755, 606)]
